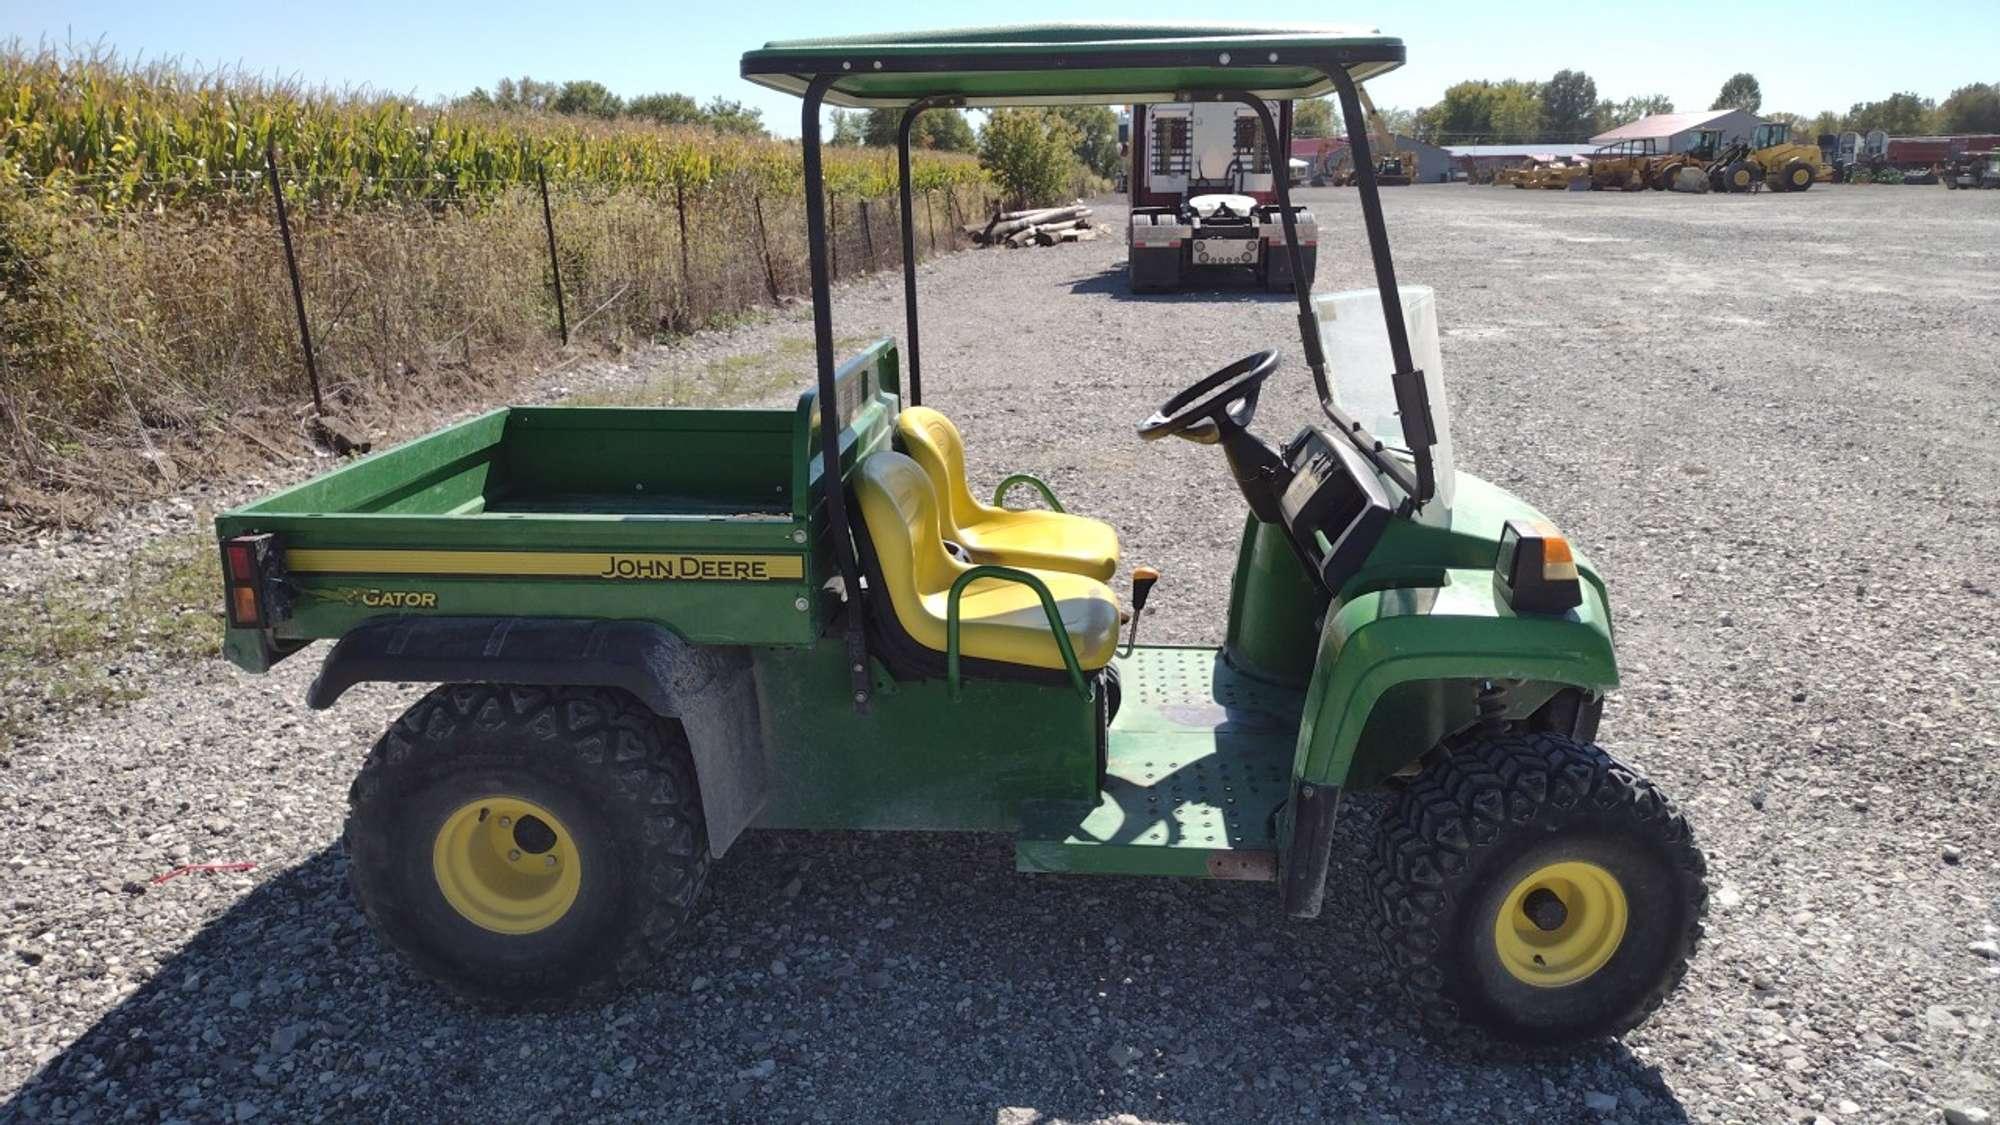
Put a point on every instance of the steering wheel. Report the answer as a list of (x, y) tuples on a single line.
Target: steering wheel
[(1223, 402)]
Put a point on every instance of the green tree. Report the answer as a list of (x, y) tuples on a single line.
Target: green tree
[(1476, 111), (1031, 154), (1740, 92), (1315, 117), (1097, 136), (1901, 115), (849, 128), (1971, 109), (523, 94), (1611, 115), (1517, 112), (727, 116), (665, 109), (587, 97), (1569, 106), (944, 129), (1826, 121)]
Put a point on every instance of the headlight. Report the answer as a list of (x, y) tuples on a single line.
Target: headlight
[(1534, 570)]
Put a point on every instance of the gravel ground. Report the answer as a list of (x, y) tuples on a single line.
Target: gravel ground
[(1771, 421)]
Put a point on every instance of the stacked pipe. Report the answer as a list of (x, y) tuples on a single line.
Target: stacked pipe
[(1041, 227)]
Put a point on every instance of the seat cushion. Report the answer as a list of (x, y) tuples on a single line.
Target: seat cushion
[(1004, 621), (1044, 540)]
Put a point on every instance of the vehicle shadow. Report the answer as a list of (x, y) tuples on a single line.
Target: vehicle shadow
[(829, 977), (1214, 285)]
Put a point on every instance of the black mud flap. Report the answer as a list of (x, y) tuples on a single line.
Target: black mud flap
[(1302, 880), (711, 690)]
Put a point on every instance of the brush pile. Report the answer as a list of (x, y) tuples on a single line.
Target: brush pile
[(1044, 227)]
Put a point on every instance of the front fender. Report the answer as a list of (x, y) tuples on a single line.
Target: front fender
[(1460, 630)]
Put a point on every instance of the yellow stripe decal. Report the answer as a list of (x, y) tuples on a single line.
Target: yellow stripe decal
[(543, 564)]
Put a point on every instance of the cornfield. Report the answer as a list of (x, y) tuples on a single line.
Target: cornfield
[(124, 138), (144, 306)]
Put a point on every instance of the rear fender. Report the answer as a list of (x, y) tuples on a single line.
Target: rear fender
[(1417, 654), (710, 690)]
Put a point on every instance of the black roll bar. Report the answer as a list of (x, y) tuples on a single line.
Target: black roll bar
[(829, 408), (910, 237)]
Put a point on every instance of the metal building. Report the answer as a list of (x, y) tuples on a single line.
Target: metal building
[(1678, 132)]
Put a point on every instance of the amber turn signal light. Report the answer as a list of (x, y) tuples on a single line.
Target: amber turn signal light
[(1535, 570)]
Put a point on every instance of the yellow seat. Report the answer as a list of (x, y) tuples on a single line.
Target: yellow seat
[(999, 620), (1037, 539)]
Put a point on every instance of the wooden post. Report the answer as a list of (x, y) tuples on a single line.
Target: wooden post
[(292, 267), (681, 217), (764, 245), (868, 238), (930, 222), (555, 267)]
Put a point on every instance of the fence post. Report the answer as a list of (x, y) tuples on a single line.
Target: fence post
[(555, 267), (764, 246), (868, 238), (833, 235), (930, 221), (681, 218), (292, 267)]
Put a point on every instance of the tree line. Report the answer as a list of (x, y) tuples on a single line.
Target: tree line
[(586, 98), (1567, 109)]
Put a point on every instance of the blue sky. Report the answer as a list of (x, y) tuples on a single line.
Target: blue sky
[(1808, 56)]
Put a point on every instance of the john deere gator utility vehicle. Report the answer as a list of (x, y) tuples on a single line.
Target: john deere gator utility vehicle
[(652, 630)]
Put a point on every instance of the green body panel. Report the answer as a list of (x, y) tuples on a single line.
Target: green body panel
[(1413, 633), (1459, 630), (1198, 759), (1073, 62), (1274, 608), (530, 482), (917, 759)]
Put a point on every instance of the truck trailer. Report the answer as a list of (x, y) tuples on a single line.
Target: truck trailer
[(1204, 198)]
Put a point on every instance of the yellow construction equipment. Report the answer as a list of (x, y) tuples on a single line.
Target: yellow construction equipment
[(1558, 174), (1628, 165), (1394, 167), (1770, 158)]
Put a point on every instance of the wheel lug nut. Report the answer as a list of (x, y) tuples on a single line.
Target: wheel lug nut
[(514, 854), (506, 822), (548, 861)]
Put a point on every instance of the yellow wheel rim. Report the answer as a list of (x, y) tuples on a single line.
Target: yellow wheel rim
[(1801, 178), (506, 865), (1560, 924)]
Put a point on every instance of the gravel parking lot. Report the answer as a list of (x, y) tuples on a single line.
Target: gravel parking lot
[(1772, 421)]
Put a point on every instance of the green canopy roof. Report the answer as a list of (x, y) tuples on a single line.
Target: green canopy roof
[(1042, 64)]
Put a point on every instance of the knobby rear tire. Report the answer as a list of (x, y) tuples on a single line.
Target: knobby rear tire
[(621, 779)]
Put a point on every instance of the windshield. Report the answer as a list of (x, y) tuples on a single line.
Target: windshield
[(1361, 369)]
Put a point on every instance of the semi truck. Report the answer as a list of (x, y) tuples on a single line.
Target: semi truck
[(1204, 198)]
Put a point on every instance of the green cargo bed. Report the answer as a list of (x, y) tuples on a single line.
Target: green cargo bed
[(710, 522)]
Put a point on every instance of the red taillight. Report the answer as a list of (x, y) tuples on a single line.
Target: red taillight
[(247, 562)]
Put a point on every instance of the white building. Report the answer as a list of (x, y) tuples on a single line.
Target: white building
[(1678, 132)]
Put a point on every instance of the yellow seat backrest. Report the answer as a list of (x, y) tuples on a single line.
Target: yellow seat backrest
[(933, 442), (901, 514)]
